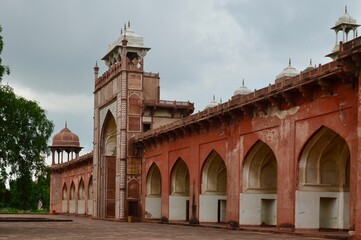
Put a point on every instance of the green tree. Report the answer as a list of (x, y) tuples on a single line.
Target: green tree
[(3, 69), (41, 189), (24, 133)]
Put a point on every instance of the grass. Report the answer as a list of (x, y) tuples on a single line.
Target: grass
[(19, 211)]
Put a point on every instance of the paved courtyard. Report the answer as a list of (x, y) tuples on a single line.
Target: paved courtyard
[(85, 228)]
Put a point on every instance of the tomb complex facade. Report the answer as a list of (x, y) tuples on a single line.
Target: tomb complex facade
[(287, 155)]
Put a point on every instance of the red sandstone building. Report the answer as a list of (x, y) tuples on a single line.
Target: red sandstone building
[(285, 155)]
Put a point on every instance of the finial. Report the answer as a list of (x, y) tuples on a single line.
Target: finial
[(125, 27), (220, 100), (121, 31), (214, 97), (310, 61), (243, 82), (66, 124), (128, 24), (96, 63), (289, 62), (345, 8)]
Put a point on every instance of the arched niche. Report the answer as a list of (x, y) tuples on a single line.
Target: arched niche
[(90, 189), (109, 140), (154, 181), (214, 175), (64, 192), (260, 169), (72, 191), (179, 179), (134, 104), (324, 162), (81, 192)]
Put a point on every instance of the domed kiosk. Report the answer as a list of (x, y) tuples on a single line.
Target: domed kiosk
[(242, 90), (65, 141), (344, 24)]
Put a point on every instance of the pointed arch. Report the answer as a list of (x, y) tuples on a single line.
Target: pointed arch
[(81, 190), (214, 175), (154, 181), (324, 161), (259, 196), (179, 179), (72, 191), (64, 202), (107, 166), (323, 181), (90, 196), (90, 188), (64, 192), (260, 169), (133, 189), (109, 135), (72, 198)]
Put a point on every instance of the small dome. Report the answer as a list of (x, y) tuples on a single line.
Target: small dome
[(65, 138), (310, 67), (289, 71), (345, 19), (242, 90), (213, 103)]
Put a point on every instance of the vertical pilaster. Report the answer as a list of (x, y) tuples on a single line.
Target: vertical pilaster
[(286, 160), (356, 162)]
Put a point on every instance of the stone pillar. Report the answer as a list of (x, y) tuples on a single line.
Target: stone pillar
[(286, 161), (165, 178), (233, 168), (357, 181)]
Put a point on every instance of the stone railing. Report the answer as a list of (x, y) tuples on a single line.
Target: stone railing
[(167, 103), (279, 86), (348, 46)]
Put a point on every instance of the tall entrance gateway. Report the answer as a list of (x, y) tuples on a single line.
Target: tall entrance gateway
[(126, 103)]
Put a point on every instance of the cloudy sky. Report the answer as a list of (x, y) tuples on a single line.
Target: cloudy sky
[(199, 47)]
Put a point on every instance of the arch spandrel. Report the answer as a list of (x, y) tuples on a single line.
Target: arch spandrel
[(324, 162)]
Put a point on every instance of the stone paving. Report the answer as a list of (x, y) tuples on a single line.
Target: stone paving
[(86, 228)]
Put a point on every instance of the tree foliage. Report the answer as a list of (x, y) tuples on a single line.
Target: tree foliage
[(3, 69), (24, 133)]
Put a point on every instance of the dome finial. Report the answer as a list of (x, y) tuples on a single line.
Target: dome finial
[(289, 62), (214, 97), (345, 8), (243, 82), (310, 61), (66, 124), (128, 24), (121, 31)]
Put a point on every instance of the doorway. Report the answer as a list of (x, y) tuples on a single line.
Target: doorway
[(222, 206)]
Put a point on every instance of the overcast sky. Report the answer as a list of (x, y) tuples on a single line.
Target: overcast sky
[(199, 47)]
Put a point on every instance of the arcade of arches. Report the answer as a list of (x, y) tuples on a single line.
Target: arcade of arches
[(287, 155)]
